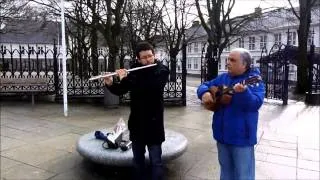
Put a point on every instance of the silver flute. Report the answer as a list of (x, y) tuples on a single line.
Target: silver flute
[(114, 73)]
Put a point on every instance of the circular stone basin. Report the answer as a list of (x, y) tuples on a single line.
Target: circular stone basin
[(91, 148)]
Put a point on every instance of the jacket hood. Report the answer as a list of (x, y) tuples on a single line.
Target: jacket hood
[(254, 72)]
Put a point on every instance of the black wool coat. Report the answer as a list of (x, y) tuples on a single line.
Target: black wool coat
[(146, 102)]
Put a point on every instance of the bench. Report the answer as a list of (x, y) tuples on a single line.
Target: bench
[(91, 148), (313, 98), (29, 85)]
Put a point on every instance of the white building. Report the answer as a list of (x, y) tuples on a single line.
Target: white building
[(30, 37), (31, 42), (272, 27)]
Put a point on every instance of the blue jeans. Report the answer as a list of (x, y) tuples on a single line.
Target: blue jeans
[(236, 162), (155, 153)]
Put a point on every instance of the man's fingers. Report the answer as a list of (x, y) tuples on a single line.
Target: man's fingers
[(207, 98), (121, 72), (239, 87)]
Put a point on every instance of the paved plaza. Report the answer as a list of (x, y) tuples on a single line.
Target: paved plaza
[(38, 142)]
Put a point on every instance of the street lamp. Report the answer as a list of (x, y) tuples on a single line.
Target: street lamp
[(64, 59)]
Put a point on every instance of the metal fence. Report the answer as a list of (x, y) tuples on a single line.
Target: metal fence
[(47, 62)]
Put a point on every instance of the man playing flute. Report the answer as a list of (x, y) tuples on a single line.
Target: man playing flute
[(145, 123)]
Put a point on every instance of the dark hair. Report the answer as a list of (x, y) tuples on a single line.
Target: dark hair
[(143, 46)]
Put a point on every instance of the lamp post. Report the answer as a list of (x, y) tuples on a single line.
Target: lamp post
[(64, 59)]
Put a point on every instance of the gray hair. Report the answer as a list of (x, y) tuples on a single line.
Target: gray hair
[(245, 56)]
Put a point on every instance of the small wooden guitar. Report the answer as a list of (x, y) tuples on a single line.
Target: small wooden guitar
[(222, 95)]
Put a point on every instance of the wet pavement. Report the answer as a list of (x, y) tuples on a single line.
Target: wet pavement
[(38, 142)]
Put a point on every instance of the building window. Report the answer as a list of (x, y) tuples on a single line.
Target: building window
[(189, 48), (31, 50), (21, 48), (263, 42), (292, 38), (310, 37), (40, 50), (195, 63), (189, 63), (100, 51), (3, 49), (252, 41), (277, 39), (195, 47), (219, 64), (241, 43)]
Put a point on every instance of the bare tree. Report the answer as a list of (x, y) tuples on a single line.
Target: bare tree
[(110, 25), (104, 16), (143, 21), (13, 10), (304, 17), (220, 29), (174, 26), (78, 29)]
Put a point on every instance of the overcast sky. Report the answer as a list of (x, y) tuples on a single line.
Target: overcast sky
[(247, 6)]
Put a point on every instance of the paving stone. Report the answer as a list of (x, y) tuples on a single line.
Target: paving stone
[(178, 168), (280, 137), (309, 143), (276, 159), (4, 121), (282, 160), (90, 171), (278, 144), (33, 154), (62, 163), (42, 137), (309, 165), (308, 154), (266, 170), (7, 163), (26, 136), (190, 177), (23, 171), (307, 174), (10, 143), (259, 156), (24, 124), (65, 142), (206, 168), (276, 151)]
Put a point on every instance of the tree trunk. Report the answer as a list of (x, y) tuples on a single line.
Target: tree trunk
[(305, 19), (173, 66), (94, 39), (212, 63), (113, 54), (302, 75), (94, 51)]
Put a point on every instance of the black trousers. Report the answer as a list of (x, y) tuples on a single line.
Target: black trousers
[(155, 153)]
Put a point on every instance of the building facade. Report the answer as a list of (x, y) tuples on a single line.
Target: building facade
[(274, 27)]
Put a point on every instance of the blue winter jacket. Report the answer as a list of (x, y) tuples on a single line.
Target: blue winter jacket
[(236, 123)]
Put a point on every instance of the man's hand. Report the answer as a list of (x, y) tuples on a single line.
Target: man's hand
[(108, 80), (122, 73), (207, 98), (238, 88)]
